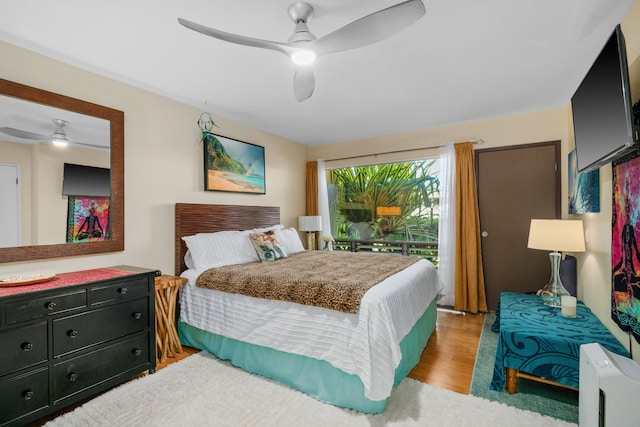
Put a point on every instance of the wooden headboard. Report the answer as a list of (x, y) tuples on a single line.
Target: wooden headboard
[(193, 218)]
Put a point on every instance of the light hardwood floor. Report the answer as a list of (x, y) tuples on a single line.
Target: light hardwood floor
[(447, 362), (450, 356)]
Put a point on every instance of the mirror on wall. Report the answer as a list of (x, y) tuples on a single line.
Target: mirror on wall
[(49, 141)]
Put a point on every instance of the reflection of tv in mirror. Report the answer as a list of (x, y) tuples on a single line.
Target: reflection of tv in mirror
[(80, 180)]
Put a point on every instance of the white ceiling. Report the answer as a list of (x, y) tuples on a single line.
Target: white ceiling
[(464, 60)]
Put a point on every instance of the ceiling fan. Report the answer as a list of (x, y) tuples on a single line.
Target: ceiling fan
[(58, 137), (303, 47)]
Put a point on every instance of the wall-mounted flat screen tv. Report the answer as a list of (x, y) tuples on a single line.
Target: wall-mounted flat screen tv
[(81, 180), (602, 114)]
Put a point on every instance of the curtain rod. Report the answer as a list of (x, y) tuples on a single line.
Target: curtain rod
[(478, 142)]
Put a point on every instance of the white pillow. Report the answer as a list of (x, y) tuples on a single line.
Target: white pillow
[(263, 229), (209, 250), (290, 240), (188, 260)]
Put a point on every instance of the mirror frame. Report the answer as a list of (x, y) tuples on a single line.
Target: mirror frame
[(116, 208)]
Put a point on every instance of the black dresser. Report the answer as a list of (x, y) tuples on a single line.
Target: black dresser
[(75, 336)]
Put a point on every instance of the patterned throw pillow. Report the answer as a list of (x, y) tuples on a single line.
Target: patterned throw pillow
[(267, 246)]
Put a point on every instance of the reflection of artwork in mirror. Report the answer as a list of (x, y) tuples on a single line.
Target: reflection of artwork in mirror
[(88, 219), (584, 188), (232, 165)]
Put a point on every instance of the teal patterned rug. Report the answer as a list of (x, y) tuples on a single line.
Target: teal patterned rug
[(545, 399)]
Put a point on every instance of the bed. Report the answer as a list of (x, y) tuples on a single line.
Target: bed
[(351, 360)]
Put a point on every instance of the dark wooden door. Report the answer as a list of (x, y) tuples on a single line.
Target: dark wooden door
[(516, 184)]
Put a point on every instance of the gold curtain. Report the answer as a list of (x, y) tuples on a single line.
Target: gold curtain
[(312, 188), (469, 277), (312, 193)]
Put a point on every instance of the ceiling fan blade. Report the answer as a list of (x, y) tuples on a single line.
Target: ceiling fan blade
[(90, 146), (23, 134), (304, 83), (371, 28), (233, 38), (35, 136)]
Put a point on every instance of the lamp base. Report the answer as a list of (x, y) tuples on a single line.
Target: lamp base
[(311, 240), (551, 293)]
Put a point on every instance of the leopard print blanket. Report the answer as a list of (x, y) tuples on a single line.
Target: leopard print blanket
[(333, 280)]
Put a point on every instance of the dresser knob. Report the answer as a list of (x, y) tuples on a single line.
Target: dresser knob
[(122, 290), (71, 333), (137, 352), (137, 315), (27, 394), (26, 346), (50, 305), (72, 377)]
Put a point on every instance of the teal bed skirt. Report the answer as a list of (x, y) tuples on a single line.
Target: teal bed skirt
[(314, 377)]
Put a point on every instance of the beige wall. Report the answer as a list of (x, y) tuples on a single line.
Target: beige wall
[(540, 126), (594, 266), (163, 161)]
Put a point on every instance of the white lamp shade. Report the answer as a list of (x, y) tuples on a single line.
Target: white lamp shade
[(309, 223), (556, 235)]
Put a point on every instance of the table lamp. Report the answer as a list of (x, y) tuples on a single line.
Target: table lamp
[(310, 224), (556, 235)]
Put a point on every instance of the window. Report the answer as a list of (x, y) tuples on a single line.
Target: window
[(390, 207)]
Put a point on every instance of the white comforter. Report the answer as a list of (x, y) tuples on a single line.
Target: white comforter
[(366, 344)]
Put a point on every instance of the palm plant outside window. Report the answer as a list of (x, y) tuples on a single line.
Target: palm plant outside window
[(386, 208)]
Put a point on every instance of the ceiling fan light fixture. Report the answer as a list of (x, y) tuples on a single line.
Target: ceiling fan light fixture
[(59, 141), (303, 57), (59, 137)]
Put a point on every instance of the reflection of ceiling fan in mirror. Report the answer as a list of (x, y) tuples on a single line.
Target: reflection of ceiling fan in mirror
[(303, 47), (58, 138)]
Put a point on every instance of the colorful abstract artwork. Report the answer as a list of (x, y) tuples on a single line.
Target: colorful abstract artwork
[(625, 253), (88, 219), (584, 188)]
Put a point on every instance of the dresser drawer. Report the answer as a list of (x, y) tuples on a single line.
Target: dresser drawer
[(28, 309), (98, 326), (123, 290), (80, 373), (23, 347), (24, 394)]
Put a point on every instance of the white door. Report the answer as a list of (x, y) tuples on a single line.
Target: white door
[(9, 206)]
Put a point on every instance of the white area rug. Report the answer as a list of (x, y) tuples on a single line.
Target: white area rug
[(204, 391)]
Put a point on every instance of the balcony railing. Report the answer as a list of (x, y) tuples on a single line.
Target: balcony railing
[(427, 250)]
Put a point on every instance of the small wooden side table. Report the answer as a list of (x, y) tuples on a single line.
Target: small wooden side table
[(167, 341)]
